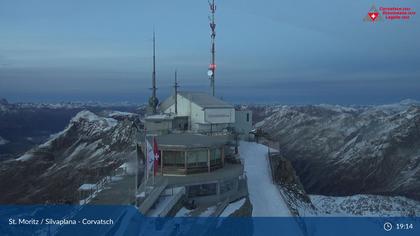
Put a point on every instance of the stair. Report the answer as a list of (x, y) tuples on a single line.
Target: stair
[(152, 197)]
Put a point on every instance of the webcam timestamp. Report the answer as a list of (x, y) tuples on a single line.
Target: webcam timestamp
[(404, 226), (398, 226)]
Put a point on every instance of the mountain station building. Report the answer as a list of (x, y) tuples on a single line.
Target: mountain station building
[(197, 136)]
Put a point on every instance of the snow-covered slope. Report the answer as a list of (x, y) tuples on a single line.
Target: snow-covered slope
[(350, 150), (89, 148), (263, 193), (365, 205), (26, 125)]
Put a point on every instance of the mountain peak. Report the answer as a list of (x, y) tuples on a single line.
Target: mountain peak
[(85, 115), (3, 101), (409, 102)]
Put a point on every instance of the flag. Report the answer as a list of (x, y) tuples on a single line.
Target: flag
[(156, 155), (150, 157)]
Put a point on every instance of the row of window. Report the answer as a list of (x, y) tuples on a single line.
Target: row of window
[(196, 158)]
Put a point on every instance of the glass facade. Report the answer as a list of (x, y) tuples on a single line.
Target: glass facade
[(173, 158), (215, 156), (195, 158)]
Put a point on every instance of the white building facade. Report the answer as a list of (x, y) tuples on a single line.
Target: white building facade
[(206, 113)]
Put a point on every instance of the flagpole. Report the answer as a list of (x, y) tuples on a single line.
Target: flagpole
[(154, 159), (137, 173), (146, 159)]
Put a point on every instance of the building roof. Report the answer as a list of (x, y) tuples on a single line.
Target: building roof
[(203, 100), (188, 140), (159, 117)]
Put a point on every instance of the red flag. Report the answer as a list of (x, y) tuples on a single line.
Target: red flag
[(157, 156)]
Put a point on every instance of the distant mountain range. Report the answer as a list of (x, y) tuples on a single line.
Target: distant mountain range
[(25, 125), (88, 149), (343, 151), (6, 106), (365, 151)]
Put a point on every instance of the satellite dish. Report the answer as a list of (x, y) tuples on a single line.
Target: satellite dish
[(210, 73)]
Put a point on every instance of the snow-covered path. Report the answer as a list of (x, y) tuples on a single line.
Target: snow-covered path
[(264, 195)]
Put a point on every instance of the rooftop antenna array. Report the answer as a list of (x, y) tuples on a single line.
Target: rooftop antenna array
[(212, 67)]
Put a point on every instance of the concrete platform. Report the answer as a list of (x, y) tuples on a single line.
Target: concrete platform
[(120, 192)]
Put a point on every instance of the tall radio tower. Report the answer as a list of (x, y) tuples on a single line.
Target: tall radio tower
[(153, 100), (212, 67)]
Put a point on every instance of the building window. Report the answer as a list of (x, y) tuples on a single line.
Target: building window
[(197, 158), (215, 156), (173, 158), (247, 117)]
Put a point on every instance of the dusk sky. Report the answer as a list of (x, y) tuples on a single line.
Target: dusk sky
[(268, 51)]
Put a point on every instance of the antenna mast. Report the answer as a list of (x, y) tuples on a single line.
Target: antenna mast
[(153, 101), (176, 86), (212, 67)]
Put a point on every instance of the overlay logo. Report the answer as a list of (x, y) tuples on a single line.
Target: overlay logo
[(389, 13), (373, 15)]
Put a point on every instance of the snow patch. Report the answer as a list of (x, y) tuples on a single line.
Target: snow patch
[(183, 212), (95, 124), (25, 157), (337, 108), (208, 212), (3, 141), (121, 113), (87, 187), (231, 208), (86, 115)]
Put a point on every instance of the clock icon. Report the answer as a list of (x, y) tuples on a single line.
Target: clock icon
[(387, 226)]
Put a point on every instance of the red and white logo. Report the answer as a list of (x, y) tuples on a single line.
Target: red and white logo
[(373, 15), (389, 13)]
